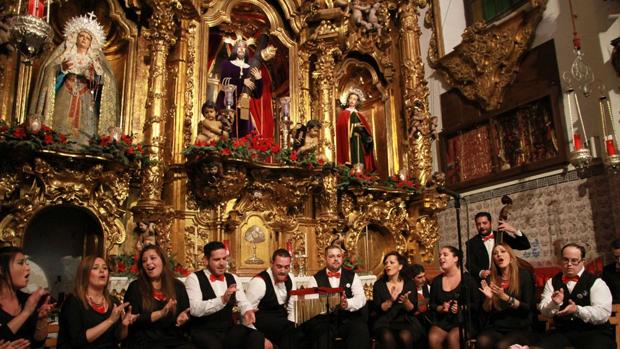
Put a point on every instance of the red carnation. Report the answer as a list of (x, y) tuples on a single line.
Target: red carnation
[(105, 140), (45, 128), (48, 139), (133, 269), (130, 151), (126, 139), (321, 162), (225, 151), (63, 138), (19, 133), (121, 267), (293, 156)]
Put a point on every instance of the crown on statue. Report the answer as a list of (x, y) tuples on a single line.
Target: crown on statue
[(88, 23), (352, 90), (239, 40)]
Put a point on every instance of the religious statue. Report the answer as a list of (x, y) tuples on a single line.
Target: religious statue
[(353, 133), (237, 72), (306, 138), (211, 129), (146, 235), (76, 91)]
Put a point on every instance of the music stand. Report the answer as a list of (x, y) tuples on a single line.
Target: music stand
[(325, 292)]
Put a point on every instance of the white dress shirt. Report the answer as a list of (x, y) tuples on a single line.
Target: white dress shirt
[(596, 313), (359, 297), (257, 288), (199, 307)]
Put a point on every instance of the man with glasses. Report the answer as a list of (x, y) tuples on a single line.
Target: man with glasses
[(579, 303), (611, 272)]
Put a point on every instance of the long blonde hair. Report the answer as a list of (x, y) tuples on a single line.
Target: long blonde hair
[(497, 277), (82, 276)]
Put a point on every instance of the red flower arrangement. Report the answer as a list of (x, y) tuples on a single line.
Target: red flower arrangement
[(21, 135), (122, 149)]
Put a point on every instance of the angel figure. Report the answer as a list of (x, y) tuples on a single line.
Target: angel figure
[(306, 138), (211, 129)]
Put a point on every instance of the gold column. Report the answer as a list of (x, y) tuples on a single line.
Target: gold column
[(23, 89), (304, 110), (420, 126), (150, 205), (325, 82)]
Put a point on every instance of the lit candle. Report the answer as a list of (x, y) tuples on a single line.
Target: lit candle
[(611, 150), (577, 141), (48, 10), (35, 8), (289, 246), (227, 246)]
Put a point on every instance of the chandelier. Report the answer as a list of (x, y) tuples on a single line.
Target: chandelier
[(30, 33)]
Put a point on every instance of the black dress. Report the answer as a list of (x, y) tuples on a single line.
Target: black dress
[(160, 334), (508, 319), (75, 319), (397, 317), (449, 320), (26, 331)]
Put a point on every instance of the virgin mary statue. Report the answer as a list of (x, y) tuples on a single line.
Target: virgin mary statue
[(76, 91)]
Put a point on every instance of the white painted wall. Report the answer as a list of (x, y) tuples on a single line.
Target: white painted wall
[(598, 22)]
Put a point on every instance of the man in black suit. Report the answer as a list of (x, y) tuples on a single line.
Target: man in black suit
[(479, 247), (350, 320)]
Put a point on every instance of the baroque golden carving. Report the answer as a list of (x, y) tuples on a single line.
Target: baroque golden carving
[(487, 60), (53, 178)]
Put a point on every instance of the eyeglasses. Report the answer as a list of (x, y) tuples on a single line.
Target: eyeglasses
[(573, 261)]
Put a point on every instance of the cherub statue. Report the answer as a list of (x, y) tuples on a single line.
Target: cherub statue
[(306, 138), (373, 19), (357, 14), (211, 129)]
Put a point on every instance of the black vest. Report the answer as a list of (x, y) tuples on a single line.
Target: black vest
[(581, 297), (221, 320), (269, 303), (346, 282)]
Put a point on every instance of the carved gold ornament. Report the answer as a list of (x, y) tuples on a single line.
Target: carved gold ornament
[(487, 60)]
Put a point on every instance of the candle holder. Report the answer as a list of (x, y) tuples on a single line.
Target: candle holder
[(612, 159), (34, 123), (229, 95), (30, 35), (301, 264), (286, 122)]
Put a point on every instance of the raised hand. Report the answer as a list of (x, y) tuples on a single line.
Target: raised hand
[(228, 293), (558, 296), (46, 307), (118, 311), (183, 317), (499, 292), (66, 65), (249, 317), (33, 300), (343, 301), (256, 73), (571, 308), (386, 305), (249, 84), (454, 307), (404, 298), (129, 318), (485, 289), (507, 227), (169, 307)]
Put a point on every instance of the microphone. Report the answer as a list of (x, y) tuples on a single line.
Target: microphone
[(443, 190)]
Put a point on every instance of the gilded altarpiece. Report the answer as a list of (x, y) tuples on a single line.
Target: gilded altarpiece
[(165, 55)]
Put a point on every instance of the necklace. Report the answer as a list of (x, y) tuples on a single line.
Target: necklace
[(98, 307)]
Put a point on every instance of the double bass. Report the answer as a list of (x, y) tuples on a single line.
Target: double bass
[(504, 213)]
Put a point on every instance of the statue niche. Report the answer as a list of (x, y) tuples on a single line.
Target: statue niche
[(76, 92)]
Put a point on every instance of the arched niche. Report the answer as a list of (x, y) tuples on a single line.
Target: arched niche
[(354, 72), (250, 17), (120, 48), (56, 237)]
